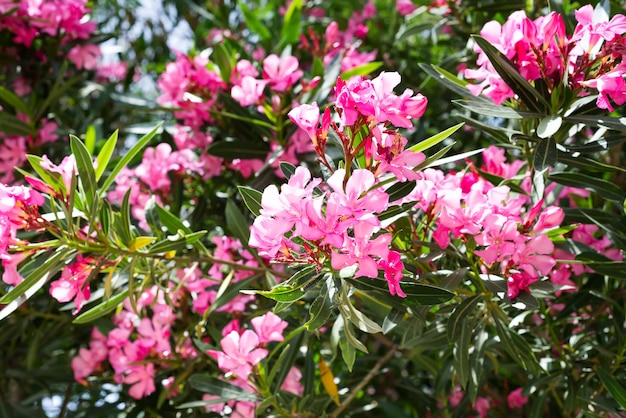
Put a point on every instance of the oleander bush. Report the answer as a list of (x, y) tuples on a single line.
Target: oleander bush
[(312, 209)]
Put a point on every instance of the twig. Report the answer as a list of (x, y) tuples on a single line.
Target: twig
[(364, 382)]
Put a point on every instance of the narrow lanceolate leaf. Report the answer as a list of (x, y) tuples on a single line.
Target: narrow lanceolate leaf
[(253, 22), (545, 154), (616, 124), (237, 223), (320, 310), (128, 157), (287, 169), (295, 287), (12, 125), (242, 149), (461, 351), (549, 126), (456, 322), (105, 154), (435, 139), (46, 270), (604, 188), (399, 190), (86, 172), (176, 242), (252, 198), (449, 80), (221, 388), (292, 26), (617, 391), (363, 70), (505, 68), (101, 309), (417, 293), (14, 101)]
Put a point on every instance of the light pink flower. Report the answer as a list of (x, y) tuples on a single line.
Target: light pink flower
[(281, 73), (240, 353), (269, 327)]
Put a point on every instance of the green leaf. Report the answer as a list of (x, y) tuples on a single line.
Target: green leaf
[(399, 190), (128, 157), (435, 139), (221, 388), (287, 169), (222, 56), (86, 172), (417, 293), (462, 311), (254, 24), (171, 222), (90, 139), (450, 81), (46, 270), (176, 242), (236, 222), (617, 124), (545, 154), (611, 384), (53, 180), (362, 70), (285, 362), (101, 309), (105, 154), (241, 149), (604, 188), (252, 198), (490, 109), (295, 287), (549, 126), (462, 349), (12, 125), (320, 310), (292, 26), (506, 69), (603, 265), (231, 291), (14, 101)]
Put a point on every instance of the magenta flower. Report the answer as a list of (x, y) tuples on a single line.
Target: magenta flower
[(269, 327), (249, 91), (281, 73), (240, 353), (360, 249), (393, 272), (515, 399), (307, 118), (141, 379)]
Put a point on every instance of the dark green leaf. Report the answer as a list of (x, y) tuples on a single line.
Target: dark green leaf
[(242, 149), (462, 349), (604, 188), (506, 69), (449, 80), (171, 222), (287, 169), (320, 310), (101, 309), (457, 319), (286, 360), (128, 157), (417, 293), (611, 384), (86, 172), (399, 190), (252, 198), (599, 145), (221, 388), (11, 125), (14, 101), (617, 124), (545, 154), (236, 222), (490, 109), (222, 56)]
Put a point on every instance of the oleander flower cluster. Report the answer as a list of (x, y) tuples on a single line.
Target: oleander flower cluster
[(589, 60)]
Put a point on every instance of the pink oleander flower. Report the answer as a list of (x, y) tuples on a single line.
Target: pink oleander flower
[(361, 249), (141, 379), (240, 353), (393, 272), (281, 72), (610, 85), (292, 382), (482, 406), (72, 284), (85, 56), (307, 118), (405, 7), (354, 200), (515, 399), (67, 168), (249, 92), (269, 327)]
